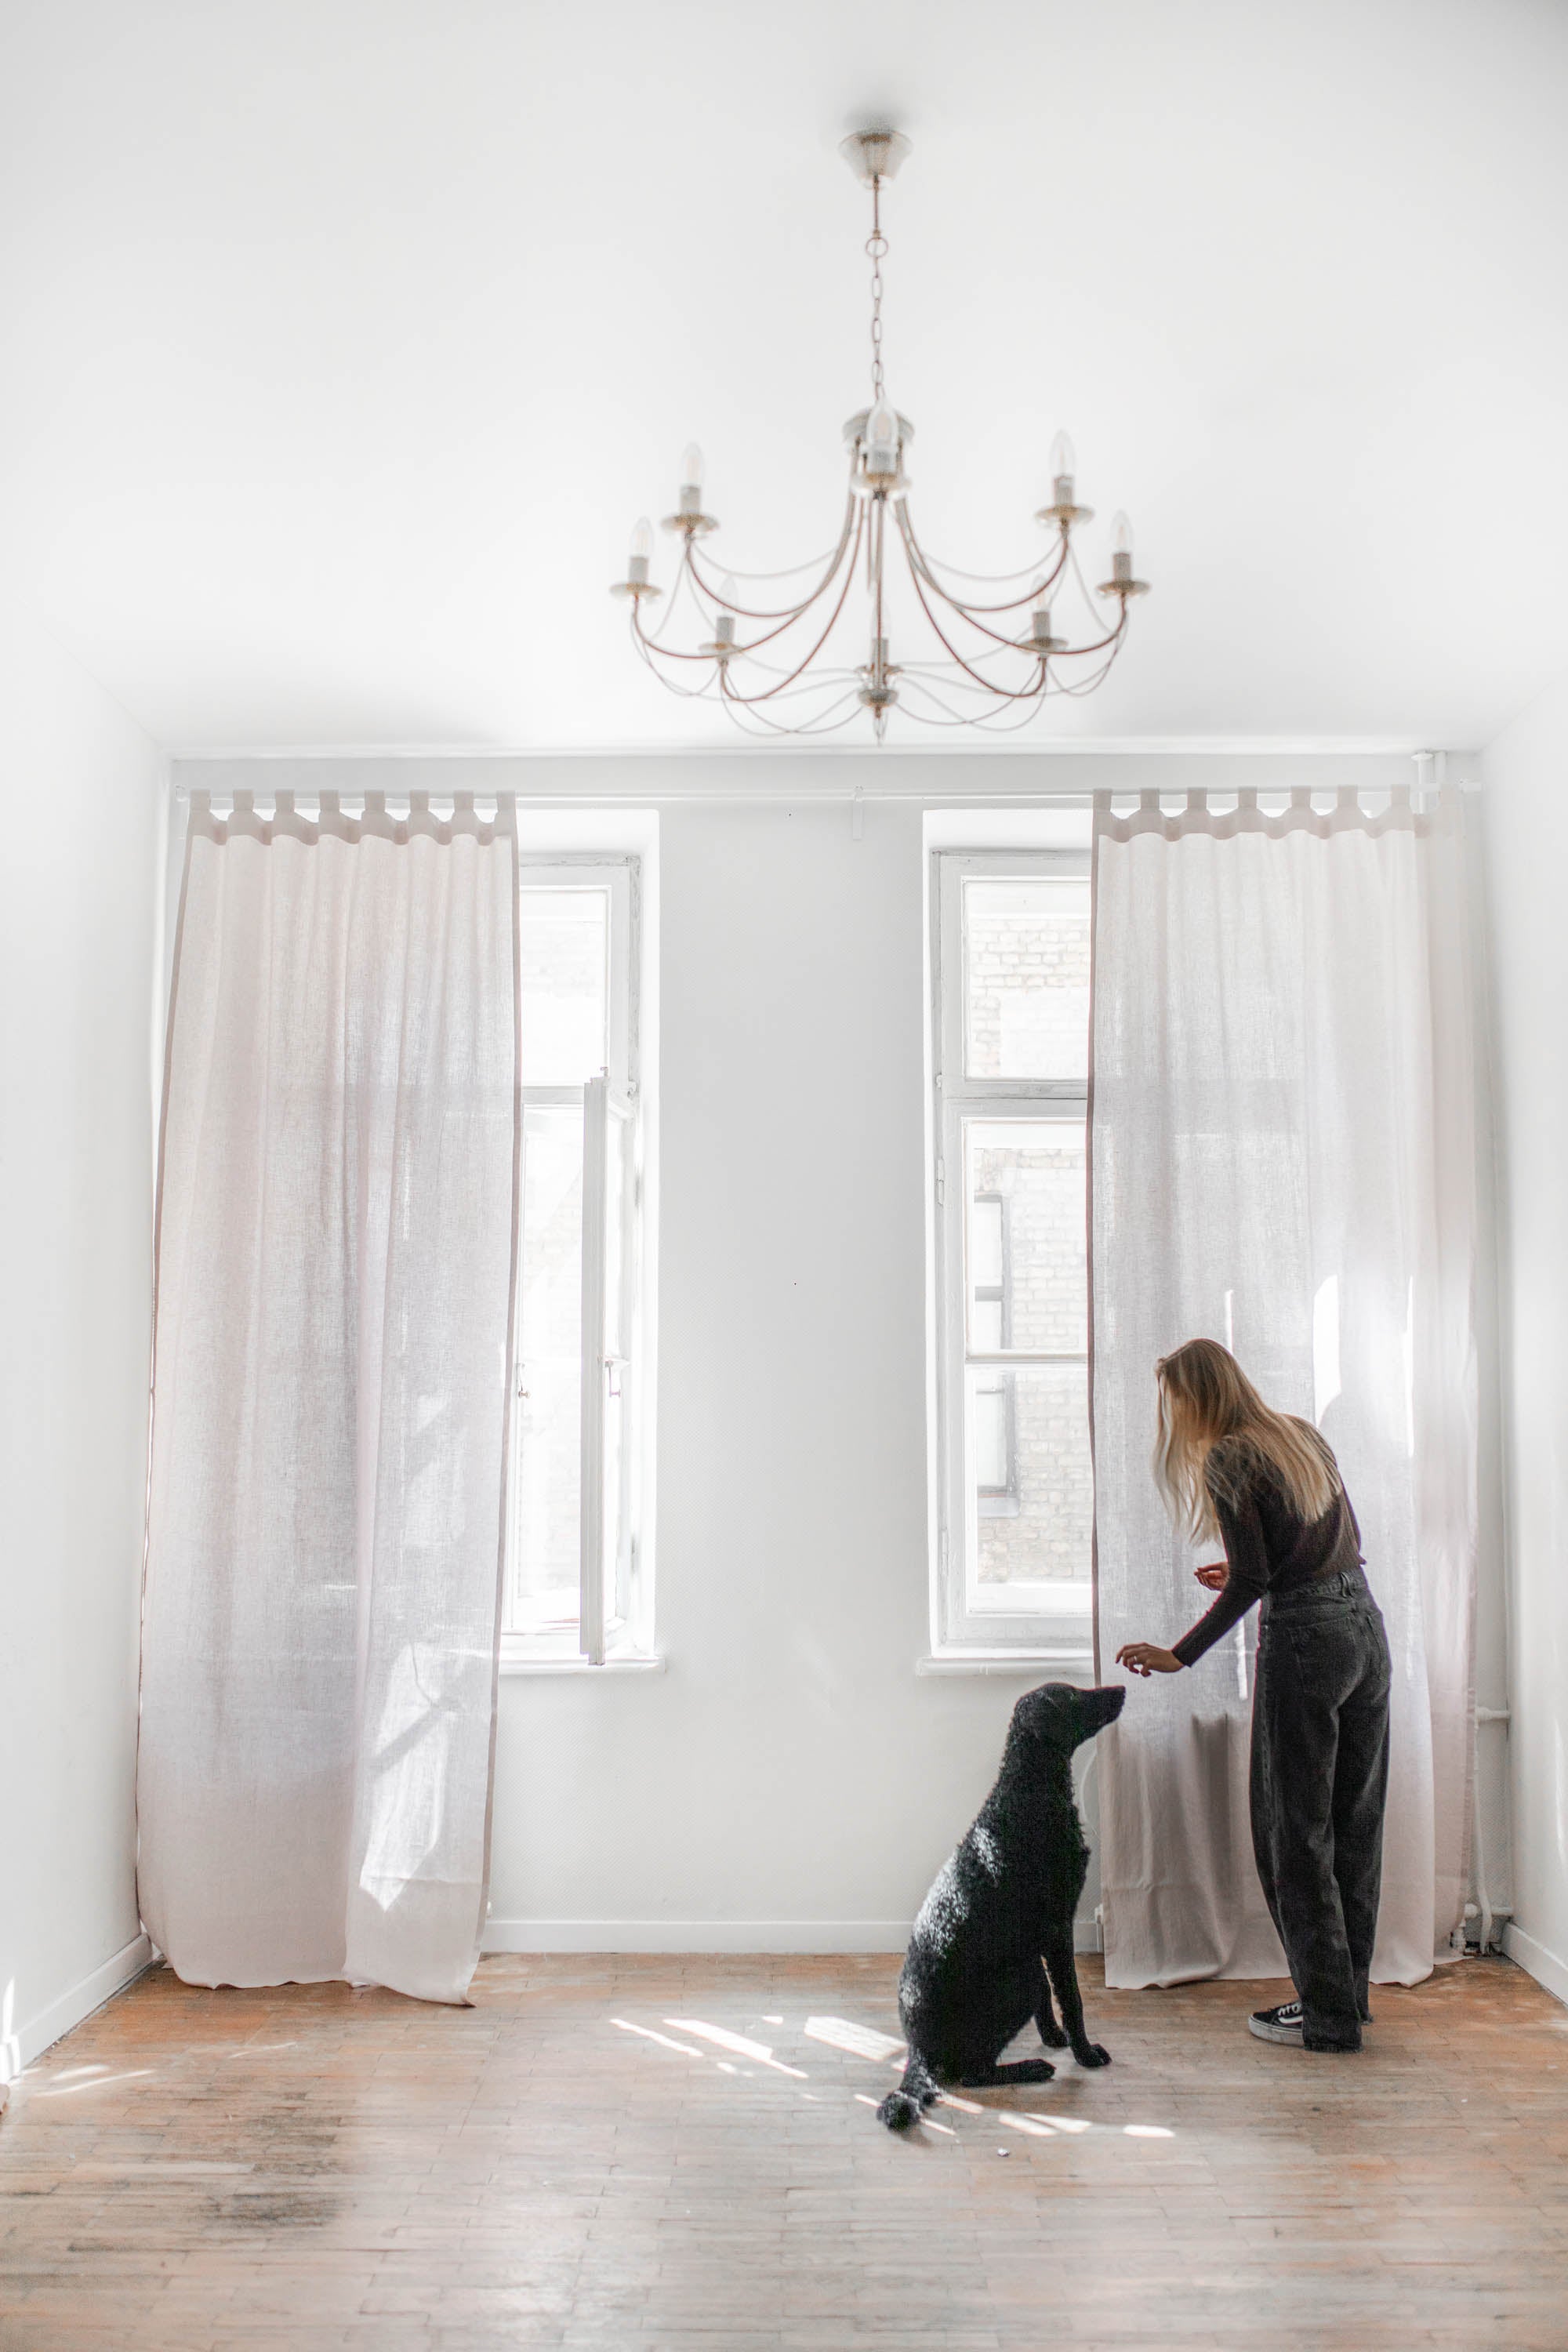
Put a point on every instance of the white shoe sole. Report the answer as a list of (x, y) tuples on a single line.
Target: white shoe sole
[(1290, 2035)]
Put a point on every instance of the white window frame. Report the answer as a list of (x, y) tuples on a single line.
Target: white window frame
[(1056, 1624), (614, 1101)]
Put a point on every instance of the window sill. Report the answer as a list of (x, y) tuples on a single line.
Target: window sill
[(634, 1663), (1005, 1661)]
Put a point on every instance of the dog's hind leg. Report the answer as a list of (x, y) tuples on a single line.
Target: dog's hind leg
[(1063, 1970), (902, 2107), (1017, 2070), (1046, 2025)]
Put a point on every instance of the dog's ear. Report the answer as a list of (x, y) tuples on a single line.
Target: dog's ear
[(1047, 1717)]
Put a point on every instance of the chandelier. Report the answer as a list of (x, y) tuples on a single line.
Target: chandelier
[(990, 655)]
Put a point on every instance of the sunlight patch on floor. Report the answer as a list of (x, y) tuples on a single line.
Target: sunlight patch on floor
[(664, 2041), (100, 2082), (741, 2043), (860, 2040)]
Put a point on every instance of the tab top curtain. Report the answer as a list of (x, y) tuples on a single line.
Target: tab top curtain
[(1283, 1159), (336, 1226)]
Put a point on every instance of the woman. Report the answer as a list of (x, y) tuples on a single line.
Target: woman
[(1268, 1486)]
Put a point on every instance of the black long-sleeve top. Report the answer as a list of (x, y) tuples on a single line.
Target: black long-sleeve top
[(1268, 1547)]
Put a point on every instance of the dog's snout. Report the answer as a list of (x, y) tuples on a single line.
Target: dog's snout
[(1107, 1705)]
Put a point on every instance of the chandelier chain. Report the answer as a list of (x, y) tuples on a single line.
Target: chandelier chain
[(877, 248)]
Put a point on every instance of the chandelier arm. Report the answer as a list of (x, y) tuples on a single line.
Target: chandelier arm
[(917, 554), (792, 613), (949, 718), (787, 571), (983, 579), (654, 644), (996, 724), (751, 700), (1089, 685), (1003, 693), (1076, 653), (653, 641), (767, 725), (703, 693), (667, 653)]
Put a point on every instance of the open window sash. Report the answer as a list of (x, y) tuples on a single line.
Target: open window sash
[(609, 1291)]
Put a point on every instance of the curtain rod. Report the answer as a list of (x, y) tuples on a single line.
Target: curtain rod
[(1431, 774), (1126, 799)]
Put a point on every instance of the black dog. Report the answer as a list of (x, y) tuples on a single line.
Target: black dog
[(972, 1976)]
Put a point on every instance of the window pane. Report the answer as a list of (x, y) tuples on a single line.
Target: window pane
[(1026, 979), (1026, 1211), (992, 1464), (1037, 1529), (986, 1325), (564, 956), (986, 1224), (545, 1561)]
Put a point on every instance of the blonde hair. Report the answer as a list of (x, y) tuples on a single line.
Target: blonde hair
[(1204, 1397)]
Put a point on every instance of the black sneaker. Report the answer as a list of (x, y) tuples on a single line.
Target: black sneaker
[(1281, 2024)]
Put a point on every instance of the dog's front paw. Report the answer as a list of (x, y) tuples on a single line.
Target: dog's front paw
[(1093, 2053), (1053, 2037)]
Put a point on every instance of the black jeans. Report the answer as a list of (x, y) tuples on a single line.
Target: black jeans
[(1320, 1776)]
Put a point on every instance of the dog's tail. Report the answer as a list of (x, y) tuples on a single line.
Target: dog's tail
[(902, 2107)]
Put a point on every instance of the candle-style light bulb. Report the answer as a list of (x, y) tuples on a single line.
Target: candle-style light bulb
[(724, 626), (641, 553), (1121, 550), (1040, 618), (691, 480), (882, 438), (1064, 470)]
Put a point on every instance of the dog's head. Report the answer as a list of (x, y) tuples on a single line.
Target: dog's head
[(1059, 1716)]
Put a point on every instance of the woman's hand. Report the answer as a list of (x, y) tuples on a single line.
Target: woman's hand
[(1214, 1576), (1148, 1658)]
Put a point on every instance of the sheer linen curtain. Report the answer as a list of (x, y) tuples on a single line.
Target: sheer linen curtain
[(336, 1221), (1283, 1159)]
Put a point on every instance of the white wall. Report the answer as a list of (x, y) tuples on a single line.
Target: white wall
[(1527, 852), (81, 809), (789, 1769)]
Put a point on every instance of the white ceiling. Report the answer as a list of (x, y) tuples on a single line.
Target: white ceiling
[(347, 338)]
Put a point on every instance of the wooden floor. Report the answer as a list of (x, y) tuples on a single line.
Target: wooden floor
[(600, 2154)]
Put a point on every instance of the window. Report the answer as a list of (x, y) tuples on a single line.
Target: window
[(1010, 1062), (574, 1586)]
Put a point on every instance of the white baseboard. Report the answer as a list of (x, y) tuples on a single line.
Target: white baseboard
[(759, 1936), (27, 2044), (1543, 1965)]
